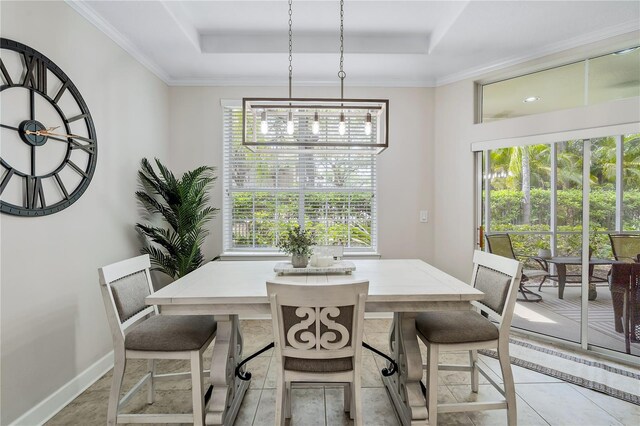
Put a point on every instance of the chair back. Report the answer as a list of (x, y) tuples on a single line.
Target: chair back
[(500, 244), (625, 247), (318, 322), (498, 278), (124, 286)]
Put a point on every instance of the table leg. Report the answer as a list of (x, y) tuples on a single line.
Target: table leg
[(228, 390), (562, 278), (404, 386)]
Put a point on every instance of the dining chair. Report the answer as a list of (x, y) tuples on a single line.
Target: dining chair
[(625, 283), (501, 245), (485, 326), (318, 338), (625, 248), (139, 332)]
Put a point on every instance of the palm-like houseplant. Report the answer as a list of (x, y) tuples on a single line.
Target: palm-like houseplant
[(183, 204)]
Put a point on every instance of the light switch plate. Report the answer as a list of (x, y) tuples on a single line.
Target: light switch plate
[(424, 216)]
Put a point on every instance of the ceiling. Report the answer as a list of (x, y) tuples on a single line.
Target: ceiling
[(387, 43)]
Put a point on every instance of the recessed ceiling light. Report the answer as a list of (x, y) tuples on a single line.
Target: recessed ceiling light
[(625, 51), (531, 99)]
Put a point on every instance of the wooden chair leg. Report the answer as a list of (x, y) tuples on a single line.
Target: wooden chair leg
[(347, 397), (432, 383), (281, 389), (352, 401), (151, 389), (357, 400), (473, 361), (507, 378), (120, 364), (288, 401), (196, 388)]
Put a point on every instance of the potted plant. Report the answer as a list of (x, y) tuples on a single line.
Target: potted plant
[(183, 205), (297, 242)]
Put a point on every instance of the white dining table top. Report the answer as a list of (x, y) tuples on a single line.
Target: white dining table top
[(244, 282)]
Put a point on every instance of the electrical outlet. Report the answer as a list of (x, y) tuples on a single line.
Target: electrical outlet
[(424, 216)]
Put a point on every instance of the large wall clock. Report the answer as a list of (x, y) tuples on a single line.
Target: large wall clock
[(49, 147)]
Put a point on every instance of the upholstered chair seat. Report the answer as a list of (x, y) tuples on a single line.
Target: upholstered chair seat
[(165, 333), (318, 365), (455, 327)]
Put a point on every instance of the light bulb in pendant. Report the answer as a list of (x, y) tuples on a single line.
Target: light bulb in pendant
[(264, 126), (342, 127), (315, 127), (290, 123), (367, 124)]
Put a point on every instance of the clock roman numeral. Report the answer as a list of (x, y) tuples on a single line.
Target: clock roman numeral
[(77, 117), (61, 91), (62, 187), (34, 192), (6, 180), (36, 76), (75, 167), (5, 74), (89, 147)]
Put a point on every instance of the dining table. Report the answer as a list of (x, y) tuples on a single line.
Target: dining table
[(229, 290)]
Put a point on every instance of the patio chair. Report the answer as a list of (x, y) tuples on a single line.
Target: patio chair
[(471, 330), (318, 335), (625, 248), (625, 283), (139, 332), (500, 244)]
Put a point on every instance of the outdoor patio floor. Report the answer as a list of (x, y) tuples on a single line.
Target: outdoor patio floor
[(561, 317)]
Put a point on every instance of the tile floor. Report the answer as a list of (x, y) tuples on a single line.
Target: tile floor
[(542, 400)]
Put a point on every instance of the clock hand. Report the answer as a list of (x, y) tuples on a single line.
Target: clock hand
[(48, 133)]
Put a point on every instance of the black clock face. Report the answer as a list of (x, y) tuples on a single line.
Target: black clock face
[(49, 147)]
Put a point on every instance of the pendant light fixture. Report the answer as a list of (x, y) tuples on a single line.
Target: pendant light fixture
[(337, 124)]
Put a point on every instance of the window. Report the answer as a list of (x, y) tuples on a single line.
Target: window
[(588, 82), (332, 193)]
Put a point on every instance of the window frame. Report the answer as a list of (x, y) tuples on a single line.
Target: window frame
[(227, 219)]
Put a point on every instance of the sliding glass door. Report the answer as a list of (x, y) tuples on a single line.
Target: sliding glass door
[(559, 202)]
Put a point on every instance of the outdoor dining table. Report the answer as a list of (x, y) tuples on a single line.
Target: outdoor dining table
[(229, 289), (561, 263)]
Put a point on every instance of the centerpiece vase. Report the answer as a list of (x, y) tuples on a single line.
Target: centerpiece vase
[(299, 261)]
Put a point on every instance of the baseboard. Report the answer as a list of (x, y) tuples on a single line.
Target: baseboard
[(67, 393)]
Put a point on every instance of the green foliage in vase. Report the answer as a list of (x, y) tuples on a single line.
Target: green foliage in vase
[(297, 241), (183, 204)]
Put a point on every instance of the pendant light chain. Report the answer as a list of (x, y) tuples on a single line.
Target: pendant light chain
[(342, 74), (290, 46)]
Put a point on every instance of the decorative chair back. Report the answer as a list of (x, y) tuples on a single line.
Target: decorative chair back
[(125, 285), (498, 278), (625, 247), (500, 244), (318, 322)]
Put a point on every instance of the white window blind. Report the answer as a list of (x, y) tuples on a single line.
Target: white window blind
[(332, 193)]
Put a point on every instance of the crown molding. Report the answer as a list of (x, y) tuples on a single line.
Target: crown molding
[(617, 30), (94, 18), (261, 82)]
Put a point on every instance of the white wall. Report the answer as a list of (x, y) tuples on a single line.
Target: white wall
[(405, 169), (53, 323), (454, 216)]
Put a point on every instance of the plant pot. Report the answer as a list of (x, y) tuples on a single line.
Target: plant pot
[(299, 261)]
